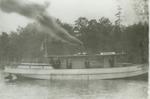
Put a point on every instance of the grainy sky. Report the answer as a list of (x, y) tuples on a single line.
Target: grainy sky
[(69, 10)]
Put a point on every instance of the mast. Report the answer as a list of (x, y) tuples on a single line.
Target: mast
[(44, 48)]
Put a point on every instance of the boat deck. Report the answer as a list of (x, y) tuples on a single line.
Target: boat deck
[(92, 73)]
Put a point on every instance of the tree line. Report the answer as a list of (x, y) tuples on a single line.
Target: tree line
[(97, 36)]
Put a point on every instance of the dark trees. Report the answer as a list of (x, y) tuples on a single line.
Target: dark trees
[(96, 35)]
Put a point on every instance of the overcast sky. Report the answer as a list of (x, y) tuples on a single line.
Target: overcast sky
[(69, 10)]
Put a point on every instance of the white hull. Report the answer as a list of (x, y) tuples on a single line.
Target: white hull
[(85, 74)]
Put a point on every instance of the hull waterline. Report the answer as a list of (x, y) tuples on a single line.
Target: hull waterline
[(84, 74)]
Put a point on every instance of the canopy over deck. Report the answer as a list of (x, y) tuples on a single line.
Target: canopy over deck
[(85, 55)]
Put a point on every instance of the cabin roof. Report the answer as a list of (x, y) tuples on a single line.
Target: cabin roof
[(84, 56)]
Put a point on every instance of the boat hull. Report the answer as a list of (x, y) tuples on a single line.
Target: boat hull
[(81, 74)]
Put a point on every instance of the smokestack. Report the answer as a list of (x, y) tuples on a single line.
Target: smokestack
[(38, 13)]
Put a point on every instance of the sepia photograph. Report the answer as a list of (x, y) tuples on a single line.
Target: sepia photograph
[(74, 49)]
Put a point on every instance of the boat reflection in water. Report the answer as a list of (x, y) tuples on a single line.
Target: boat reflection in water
[(25, 88), (79, 66)]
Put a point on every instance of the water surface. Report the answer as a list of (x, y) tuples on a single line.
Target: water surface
[(73, 89)]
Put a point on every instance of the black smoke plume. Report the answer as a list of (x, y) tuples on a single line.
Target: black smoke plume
[(38, 13)]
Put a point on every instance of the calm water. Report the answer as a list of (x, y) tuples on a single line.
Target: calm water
[(96, 89)]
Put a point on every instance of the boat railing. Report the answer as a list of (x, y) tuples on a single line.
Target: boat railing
[(30, 66)]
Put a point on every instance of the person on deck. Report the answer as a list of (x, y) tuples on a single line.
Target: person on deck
[(69, 64), (111, 61), (58, 63), (87, 63)]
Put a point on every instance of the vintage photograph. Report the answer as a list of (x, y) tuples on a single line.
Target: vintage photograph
[(74, 49)]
